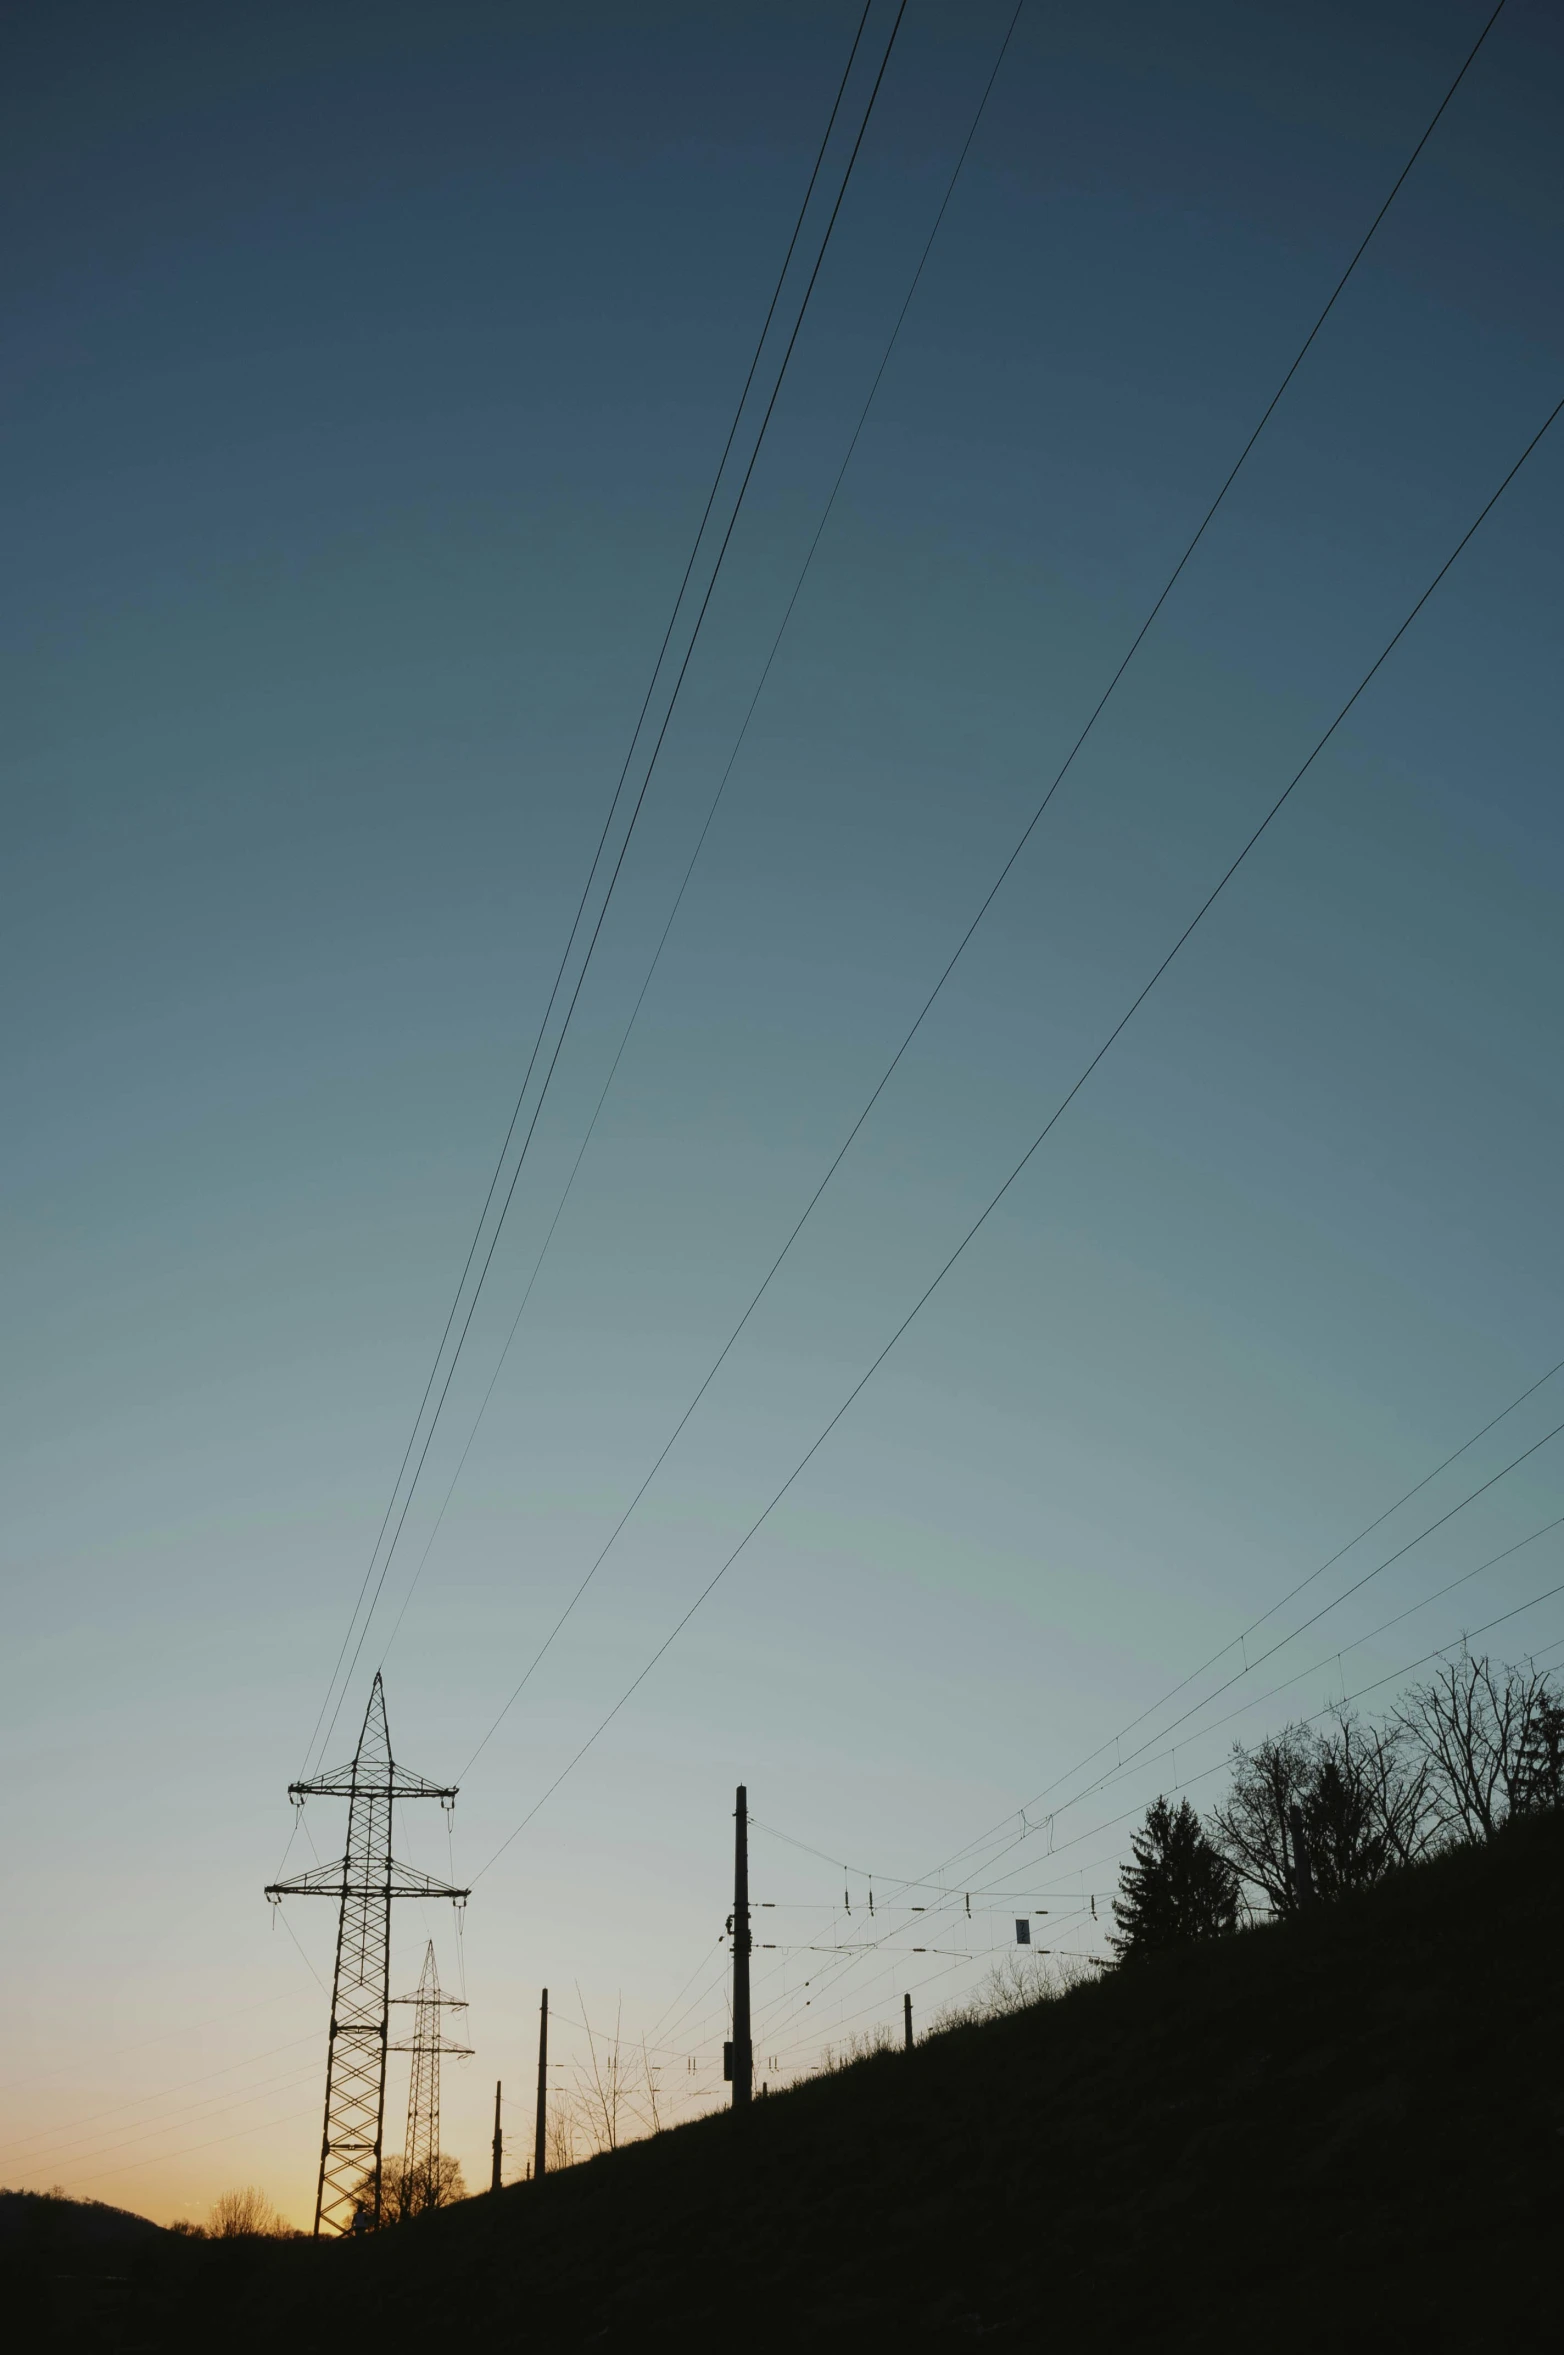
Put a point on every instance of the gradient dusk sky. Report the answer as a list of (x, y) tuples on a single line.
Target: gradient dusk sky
[(368, 366)]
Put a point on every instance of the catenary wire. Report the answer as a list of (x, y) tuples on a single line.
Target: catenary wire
[(1261, 1657), (1012, 858), (895, 1882), (618, 793), (995, 1199), (1281, 1602), (1188, 1781), (1139, 1760)]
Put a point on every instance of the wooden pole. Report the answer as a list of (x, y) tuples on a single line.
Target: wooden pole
[(494, 2174), (743, 2056), (540, 2142), (906, 2021)]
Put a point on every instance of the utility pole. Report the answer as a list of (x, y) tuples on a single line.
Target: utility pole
[(494, 2172), (540, 2138), (742, 2066), (348, 2193), (906, 2021), (421, 2185)]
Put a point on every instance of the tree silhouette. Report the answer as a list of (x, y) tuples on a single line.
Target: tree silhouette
[(1365, 1795), (407, 2192), (1178, 1888), (1485, 1734), (242, 2215), (1539, 1783)]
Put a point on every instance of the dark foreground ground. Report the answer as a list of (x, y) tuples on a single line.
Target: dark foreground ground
[(1345, 2137)]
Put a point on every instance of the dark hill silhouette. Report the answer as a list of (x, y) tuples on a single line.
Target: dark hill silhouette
[(1339, 2134), (41, 2220)]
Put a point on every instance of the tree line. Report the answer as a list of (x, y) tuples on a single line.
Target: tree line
[(1315, 1813)]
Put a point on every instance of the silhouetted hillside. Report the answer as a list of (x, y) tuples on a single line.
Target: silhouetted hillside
[(1344, 2135), (41, 2220)]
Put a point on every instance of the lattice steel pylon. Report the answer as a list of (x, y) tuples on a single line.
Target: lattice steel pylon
[(367, 1880), (420, 2186)]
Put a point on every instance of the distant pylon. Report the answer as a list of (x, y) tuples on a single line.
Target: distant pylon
[(365, 1879), (421, 2159)]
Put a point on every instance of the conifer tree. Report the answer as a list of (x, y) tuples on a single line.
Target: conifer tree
[(1177, 1889)]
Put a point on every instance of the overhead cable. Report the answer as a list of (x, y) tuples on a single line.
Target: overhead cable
[(318, 1737), (1017, 849), (1049, 1125)]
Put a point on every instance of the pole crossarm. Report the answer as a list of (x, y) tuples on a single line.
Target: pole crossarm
[(332, 1880), (350, 1781)]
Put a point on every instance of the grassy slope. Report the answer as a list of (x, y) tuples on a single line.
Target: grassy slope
[(1322, 2138)]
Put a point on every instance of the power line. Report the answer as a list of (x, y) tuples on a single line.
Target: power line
[(603, 838), (1293, 1592), (1471, 1497), (1139, 1758), (1052, 1121), (897, 1882), (1015, 852), (663, 942), (164, 2158), (135, 2101), (1396, 1675)]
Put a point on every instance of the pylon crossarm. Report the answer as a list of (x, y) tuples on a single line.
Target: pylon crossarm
[(328, 1880), (398, 1783)]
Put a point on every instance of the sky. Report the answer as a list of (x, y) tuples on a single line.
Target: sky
[(367, 372)]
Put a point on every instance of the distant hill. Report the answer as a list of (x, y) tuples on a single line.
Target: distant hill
[(42, 2219), (1340, 2136)]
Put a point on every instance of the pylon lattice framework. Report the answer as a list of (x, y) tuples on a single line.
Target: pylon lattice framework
[(366, 1880), (420, 2186)]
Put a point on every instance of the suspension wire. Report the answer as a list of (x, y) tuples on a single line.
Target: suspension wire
[(1260, 1658), (1140, 1759), (135, 2101), (1063, 1105), (972, 1852), (1238, 1641), (1023, 839), (1331, 1708), (601, 843), (164, 2158), (624, 846), (635, 1011)]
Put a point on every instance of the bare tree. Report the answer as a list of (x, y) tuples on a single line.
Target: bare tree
[(1368, 1806), (408, 2191), (1541, 1781), (861, 2045), (1014, 1984), (611, 2087), (1396, 1776), (561, 2134), (1477, 1728), (242, 2215), (1364, 1794), (1251, 1823)]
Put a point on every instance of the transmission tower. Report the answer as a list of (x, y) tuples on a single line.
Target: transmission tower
[(421, 2159), (365, 1881)]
